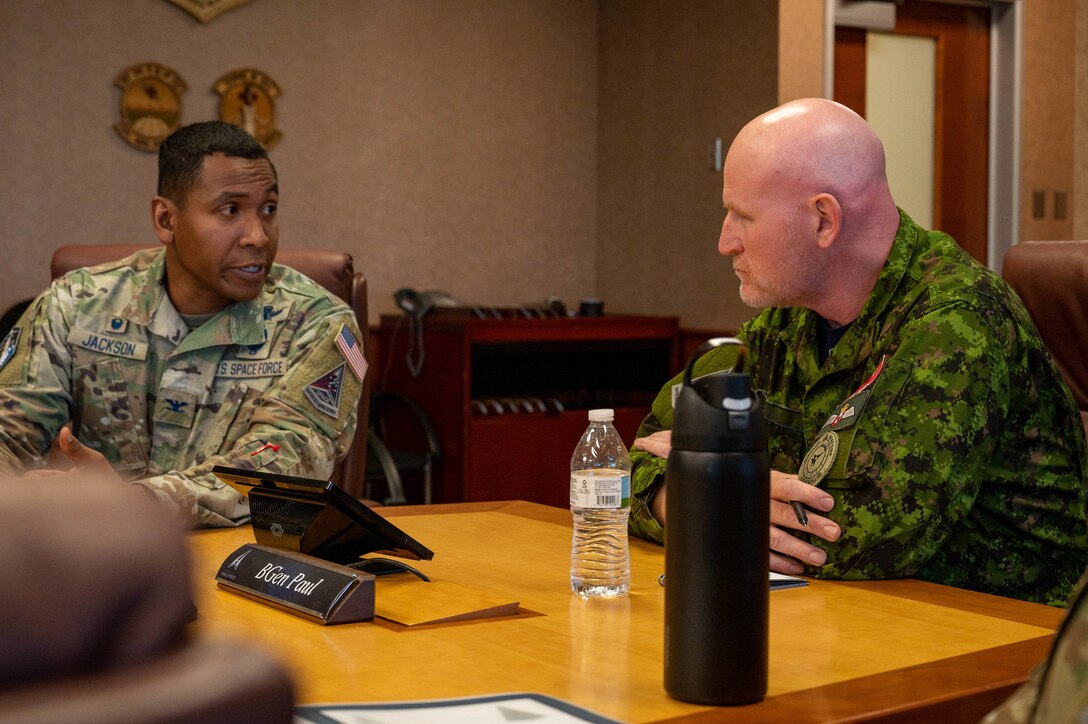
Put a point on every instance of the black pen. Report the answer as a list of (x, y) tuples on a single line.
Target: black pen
[(799, 511)]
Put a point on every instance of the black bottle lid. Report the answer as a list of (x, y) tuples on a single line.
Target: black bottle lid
[(718, 412)]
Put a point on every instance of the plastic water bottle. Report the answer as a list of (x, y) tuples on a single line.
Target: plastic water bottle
[(600, 500)]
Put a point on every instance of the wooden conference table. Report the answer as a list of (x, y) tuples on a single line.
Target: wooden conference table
[(837, 650)]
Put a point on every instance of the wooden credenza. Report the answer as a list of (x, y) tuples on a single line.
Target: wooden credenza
[(509, 396)]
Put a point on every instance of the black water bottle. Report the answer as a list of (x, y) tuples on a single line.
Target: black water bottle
[(716, 540)]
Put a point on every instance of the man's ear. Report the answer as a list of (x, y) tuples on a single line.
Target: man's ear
[(163, 213), (829, 219)]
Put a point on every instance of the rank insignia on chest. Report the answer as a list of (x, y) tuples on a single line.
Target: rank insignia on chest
[(175, 405), (9, 345), (324, 392), (819, 459), (118, 325)]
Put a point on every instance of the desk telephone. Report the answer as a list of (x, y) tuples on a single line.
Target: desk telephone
[(416, 305)]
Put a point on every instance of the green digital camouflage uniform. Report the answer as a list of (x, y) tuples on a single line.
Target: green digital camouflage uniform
[(261, 385), (1057, 690), (962, 462)]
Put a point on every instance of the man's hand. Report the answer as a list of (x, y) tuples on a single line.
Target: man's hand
[(659, 443), (786, 550), (67, 449)]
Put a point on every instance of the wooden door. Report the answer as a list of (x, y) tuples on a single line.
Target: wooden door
[(962, 83)]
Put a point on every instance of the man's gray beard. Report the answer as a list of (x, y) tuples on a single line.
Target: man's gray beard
[(762, 298), (802, 278)]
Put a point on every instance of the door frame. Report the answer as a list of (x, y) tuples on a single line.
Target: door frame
[(1003, 200)]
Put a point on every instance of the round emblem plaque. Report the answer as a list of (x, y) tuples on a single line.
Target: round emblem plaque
[(247, 99), (150, 104)]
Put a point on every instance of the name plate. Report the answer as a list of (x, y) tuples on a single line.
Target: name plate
[(317, 590)]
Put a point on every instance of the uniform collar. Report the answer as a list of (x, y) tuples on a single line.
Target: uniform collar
[(895, 269), (150, 306), (859, 338)]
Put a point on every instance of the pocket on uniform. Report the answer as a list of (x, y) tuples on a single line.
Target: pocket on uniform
[(105, 420), (844, 472), (785, 434)]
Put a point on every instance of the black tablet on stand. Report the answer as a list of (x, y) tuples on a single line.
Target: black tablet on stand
[(317, 518), (311, 538)]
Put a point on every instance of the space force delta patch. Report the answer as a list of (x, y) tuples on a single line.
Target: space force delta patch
[(324, 392)]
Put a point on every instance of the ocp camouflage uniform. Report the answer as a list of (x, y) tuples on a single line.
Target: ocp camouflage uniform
[(962, 462), (1057, 690), (261, 385)]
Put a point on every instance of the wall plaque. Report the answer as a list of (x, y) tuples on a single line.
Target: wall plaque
[(247, 99), (206, 10), (150, 104)]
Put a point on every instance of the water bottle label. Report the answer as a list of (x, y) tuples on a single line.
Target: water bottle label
[(600, 490)]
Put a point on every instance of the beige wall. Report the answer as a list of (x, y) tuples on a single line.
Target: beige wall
[(670, 83), (504, 150), (1050, 54), (446, 144)]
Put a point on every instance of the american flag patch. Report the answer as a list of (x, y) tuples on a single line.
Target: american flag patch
[(345, 342)]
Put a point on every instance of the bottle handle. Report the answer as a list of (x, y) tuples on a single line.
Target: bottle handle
[(742, 355)]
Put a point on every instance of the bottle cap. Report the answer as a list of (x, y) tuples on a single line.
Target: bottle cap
[(604, 415)]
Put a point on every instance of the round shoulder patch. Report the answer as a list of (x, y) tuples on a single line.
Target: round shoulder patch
[(820, 458)]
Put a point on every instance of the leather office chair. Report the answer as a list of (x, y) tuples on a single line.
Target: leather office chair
[(96, 615), (1051, 278), (331, 269)]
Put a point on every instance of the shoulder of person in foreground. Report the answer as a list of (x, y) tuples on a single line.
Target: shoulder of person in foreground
[(97, 576), (1057, 690)]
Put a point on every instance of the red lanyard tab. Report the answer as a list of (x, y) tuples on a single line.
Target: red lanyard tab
[(872, 379)]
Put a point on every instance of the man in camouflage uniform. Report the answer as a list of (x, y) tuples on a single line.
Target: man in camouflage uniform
[(910, 403), (197, 354)]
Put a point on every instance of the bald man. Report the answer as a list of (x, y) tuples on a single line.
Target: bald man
[(904, 381)]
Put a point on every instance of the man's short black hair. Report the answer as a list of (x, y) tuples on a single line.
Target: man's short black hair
[(181, 155)]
